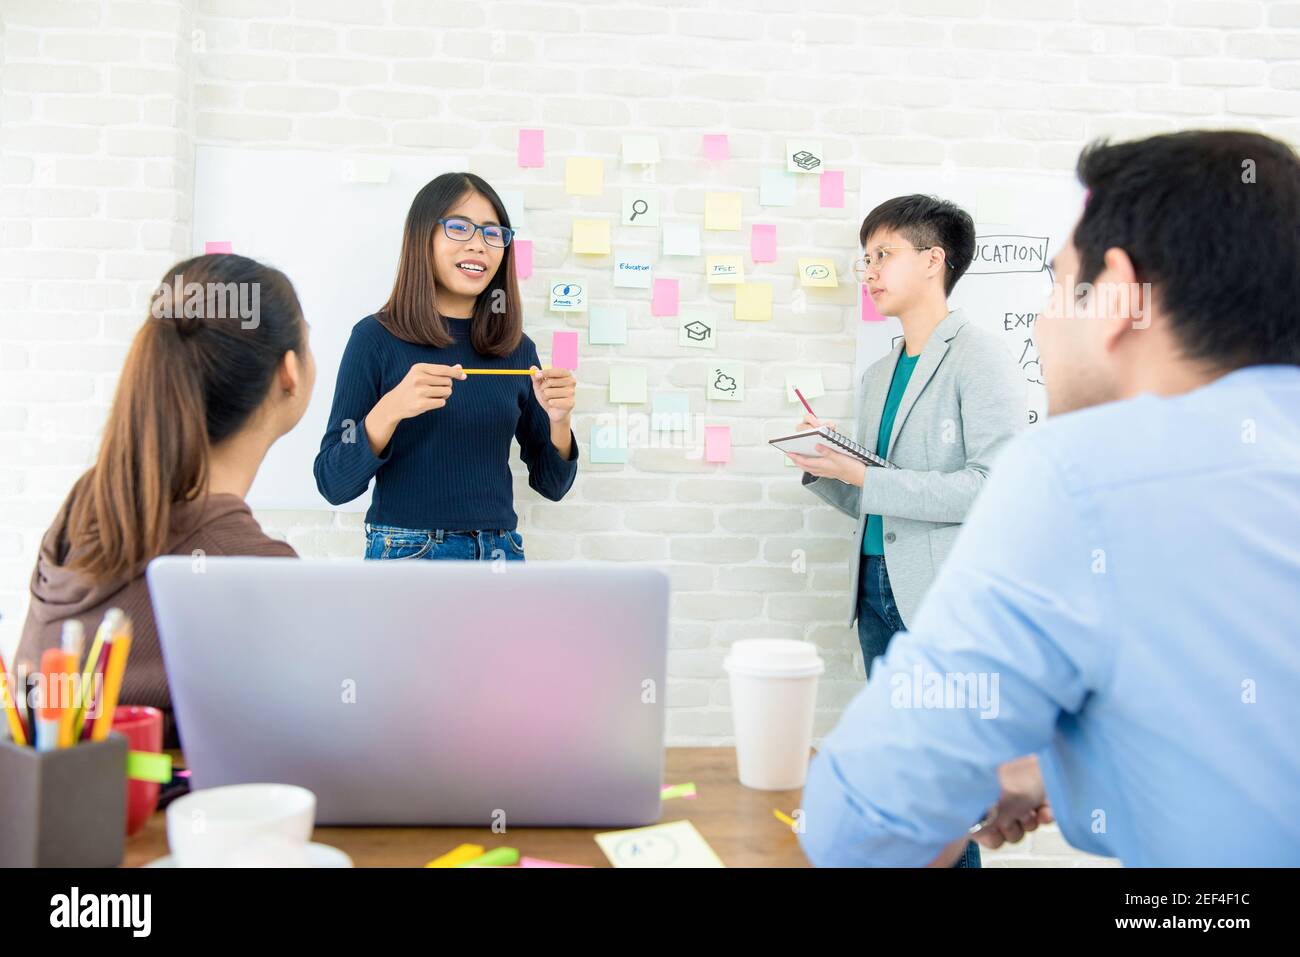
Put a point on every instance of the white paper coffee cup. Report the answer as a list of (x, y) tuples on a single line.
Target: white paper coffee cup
[(242, 825), (773, 700)]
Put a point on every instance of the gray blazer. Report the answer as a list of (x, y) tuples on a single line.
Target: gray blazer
[(965, 399)]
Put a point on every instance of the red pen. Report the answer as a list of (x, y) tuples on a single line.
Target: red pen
[(805, 403)]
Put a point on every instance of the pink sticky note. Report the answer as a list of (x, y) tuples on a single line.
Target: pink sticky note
[(832, 182), (762, 243), (716, 147), (538, 862), (523, 257), (664, 300), (869, 313), (717, 443), (217, 246), (530, 148), (564, 350)]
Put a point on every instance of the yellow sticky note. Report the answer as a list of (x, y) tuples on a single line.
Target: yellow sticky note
[(722, 211), (724, 270), (817, 272), (584, 176), (754, 302), (591, 236), (807, 381), (677, 844), (627, 384)]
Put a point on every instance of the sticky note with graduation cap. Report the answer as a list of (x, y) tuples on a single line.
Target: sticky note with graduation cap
[(564, 349)]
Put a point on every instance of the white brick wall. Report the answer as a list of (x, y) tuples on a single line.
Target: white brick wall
[(104, 101)]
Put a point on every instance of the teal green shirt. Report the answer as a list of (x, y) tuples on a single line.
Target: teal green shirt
[(873, 542)]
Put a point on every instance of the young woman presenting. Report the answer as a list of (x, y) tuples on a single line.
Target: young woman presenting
[(441, 462)]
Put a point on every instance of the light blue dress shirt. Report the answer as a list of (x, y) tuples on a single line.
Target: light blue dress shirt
[(1124, 601)]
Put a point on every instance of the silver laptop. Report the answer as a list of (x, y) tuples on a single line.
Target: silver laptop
[(422, 693)]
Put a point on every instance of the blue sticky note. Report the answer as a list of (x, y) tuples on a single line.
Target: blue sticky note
[(608, 445), (607, 325), (776, 188), (670, 412)]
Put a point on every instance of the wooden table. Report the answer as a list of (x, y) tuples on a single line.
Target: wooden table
[(737, 822)]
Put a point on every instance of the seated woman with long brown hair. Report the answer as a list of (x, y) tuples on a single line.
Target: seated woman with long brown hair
[(218, 372)]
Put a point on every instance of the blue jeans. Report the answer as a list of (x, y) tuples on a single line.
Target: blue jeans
[(878, 622), (386, 543)]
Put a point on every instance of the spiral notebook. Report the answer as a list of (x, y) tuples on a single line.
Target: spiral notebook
[(805, 443)]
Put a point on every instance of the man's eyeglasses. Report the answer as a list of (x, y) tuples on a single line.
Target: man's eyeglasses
[(874, 261), (463, 230)]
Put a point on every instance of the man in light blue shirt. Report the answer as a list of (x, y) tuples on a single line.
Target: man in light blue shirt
[(1122, 609)]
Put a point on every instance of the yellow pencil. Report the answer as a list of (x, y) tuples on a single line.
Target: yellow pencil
[(500, 371), (457, 856), (785, 818), (105, 630), (11, 708), (113, 680)]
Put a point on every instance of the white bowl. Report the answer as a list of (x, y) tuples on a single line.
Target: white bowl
[(234, 825)]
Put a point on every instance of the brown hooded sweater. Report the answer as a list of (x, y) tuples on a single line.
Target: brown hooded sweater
[(219, 525)]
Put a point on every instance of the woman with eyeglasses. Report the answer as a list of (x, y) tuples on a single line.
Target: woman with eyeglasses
[(441, 461)]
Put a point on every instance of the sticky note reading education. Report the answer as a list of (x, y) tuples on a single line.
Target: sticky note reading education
[(584, 176), (564, 349), (591, 237), (531, 153)]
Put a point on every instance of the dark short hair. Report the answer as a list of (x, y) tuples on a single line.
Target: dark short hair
[(928, 221), (1210, 219)]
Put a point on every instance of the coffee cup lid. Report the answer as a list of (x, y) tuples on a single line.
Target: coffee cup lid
[(774, 658)]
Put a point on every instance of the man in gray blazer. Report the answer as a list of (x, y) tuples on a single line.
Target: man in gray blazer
[(939, 407)]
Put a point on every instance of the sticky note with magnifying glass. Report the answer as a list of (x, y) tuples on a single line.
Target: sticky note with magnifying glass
[(591, 237), (722, 211), (640, 207), (584, 176), (817, 273)]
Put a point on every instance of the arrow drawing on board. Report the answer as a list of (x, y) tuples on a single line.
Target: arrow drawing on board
[(1028, 345)]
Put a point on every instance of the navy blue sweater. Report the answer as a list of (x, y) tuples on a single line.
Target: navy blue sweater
[(448, 468)]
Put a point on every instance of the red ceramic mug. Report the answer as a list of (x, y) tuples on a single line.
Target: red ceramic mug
[(143, 729)]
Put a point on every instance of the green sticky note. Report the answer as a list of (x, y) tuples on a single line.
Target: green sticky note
[(627, 384), (497, 857), (149, 766)]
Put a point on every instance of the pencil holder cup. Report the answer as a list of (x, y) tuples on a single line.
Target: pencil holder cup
[(63, 808)]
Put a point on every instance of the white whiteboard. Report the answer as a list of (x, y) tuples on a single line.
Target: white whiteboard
[(1021, 220), (337, 240)]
